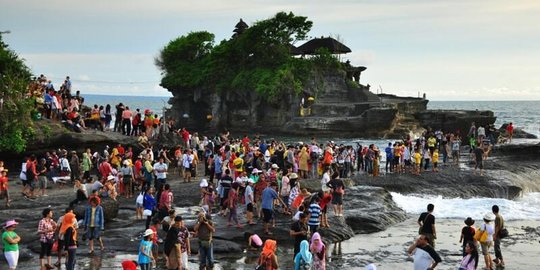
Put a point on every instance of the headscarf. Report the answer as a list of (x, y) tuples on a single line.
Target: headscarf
[(304, 253), (269, 247), (69, 221), (316, 246)]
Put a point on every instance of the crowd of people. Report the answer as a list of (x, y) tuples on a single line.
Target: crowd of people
[(474, 240), (239, 175)]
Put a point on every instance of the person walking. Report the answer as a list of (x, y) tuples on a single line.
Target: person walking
[(268, 259), (487, 228), (467, 233), (318, 249), (146, 259), (499, 226), (426, 221), (10, 242), (304, 258), (70, 239)]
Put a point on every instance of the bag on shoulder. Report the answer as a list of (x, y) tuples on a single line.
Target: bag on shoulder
[(503, 233), (481, 236)]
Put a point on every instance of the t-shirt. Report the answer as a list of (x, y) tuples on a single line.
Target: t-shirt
[(424, 257), (182, 238), (478, 153), (248, 194), (298, 226), (129, 265), (468, 234), (314, 211), (6, 244), (3, 183), (427, 220), (268, 196), (147, 247), (161, 170), (204, 233)]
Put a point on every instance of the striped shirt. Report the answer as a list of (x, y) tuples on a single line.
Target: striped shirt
[(314, 213)]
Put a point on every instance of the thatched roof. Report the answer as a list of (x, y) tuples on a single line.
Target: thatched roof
[(329, 43)]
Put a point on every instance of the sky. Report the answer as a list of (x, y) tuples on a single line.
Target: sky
[(450, 50)]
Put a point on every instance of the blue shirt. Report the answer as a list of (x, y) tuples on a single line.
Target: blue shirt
[(314, 211), (388, 151), (268, 197), (147, 247), (217, 165), (149, 202)]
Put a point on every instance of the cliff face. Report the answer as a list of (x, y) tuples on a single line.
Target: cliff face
[(338, 107)]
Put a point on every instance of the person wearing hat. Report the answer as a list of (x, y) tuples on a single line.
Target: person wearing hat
[(467, 233), (127, 178), (249, 199), (488, 227), (94, 222), (146, 259), (4, 192), (10, 242)]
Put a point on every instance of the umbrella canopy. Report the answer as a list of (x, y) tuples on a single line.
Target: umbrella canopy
[(329, 43)]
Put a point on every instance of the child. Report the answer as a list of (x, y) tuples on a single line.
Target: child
[(435, 160), (417, 161), (467, 233), (146, 259), (254, 241), (4, 193)]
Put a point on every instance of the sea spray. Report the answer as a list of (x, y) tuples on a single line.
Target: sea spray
[(524, 208)]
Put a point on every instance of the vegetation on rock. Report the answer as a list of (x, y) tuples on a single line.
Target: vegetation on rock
[(16, 108), (256, 59)]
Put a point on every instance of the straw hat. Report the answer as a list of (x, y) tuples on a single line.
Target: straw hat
[(293, 176), (204, 183), (275, 166), (110, 178)]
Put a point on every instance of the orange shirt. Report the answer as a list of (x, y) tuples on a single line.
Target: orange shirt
[(3, 183)]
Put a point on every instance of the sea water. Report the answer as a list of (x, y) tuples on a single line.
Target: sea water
[(524, 208)]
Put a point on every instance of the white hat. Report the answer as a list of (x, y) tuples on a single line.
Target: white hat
[(203, 183), (110, 177), (148, 232), (255, 170), (250, 181), (489, 216), (126, 162), (275, 166), (293, 176)]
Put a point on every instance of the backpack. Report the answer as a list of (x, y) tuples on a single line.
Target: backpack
[(314, 155)]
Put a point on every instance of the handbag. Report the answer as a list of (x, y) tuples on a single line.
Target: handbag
[(55, 246), (147, 212), (480, 236), (503, 233)]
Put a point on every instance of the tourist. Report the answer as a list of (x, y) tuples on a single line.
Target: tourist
[(470, 260), (479, 159), (318, 249), (127, 178), (510, 132), (268, 258), (94, 222), (149, 205), (232, 204), (254, 241), (129, 265), (46, 229), (4, 190), (338, 191), (30, 177), (146, 259), (303, 159), (147, 170), (249, 199), (10, 242), (325, 199), (268, 196), (435, 160), (304, 258), (69, 231), (467, 233), (183, 241), (204, 229), (424, 255), (187, 163), (389, 158), (426, 222), (154, 225), (75, 165), (498, 235), (171, 248), (487, 228), (160, 170), (42, 171), (86, 163), (299, 230), (168, 221), (314, 214), (225, 184), (166, 201)]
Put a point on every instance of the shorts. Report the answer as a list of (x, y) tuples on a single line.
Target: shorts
[(249, 207), (139, 205), (435, 164), (93, 233), (479, 164), (267, 215), (43, 182), (455, 153), (337, 198), (397, 160), (485, 248)]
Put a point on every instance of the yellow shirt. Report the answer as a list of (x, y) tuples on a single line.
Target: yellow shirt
[(417, 158), (435, 157)]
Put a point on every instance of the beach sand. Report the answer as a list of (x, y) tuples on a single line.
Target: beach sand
[(388, 249)]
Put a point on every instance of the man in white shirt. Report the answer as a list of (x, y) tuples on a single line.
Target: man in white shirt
[(160, 170), (425, 257)]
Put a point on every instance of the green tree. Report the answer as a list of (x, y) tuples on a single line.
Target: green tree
[(15, 123)]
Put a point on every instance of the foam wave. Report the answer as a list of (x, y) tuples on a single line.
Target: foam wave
[(525, 208)]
